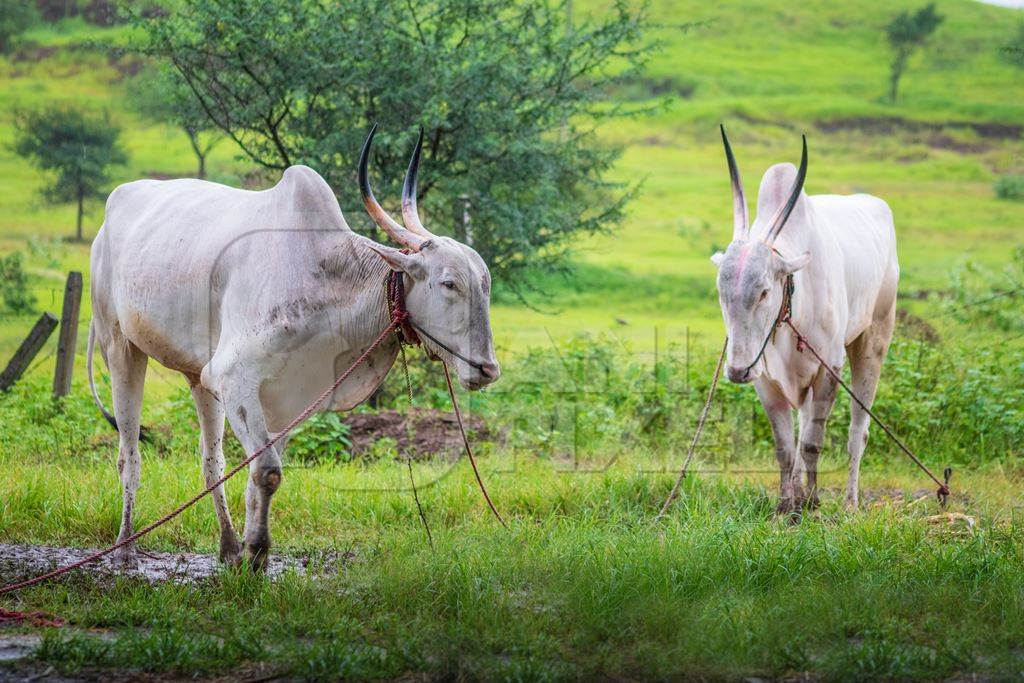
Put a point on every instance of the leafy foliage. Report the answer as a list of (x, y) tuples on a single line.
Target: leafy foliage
[(981, 295), (323, 437), (14, 284), (1014, 51), (78, 148), (907, 32), (508, 96), (15, 17)]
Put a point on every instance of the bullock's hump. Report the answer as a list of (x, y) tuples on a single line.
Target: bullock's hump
[(309, 194), (775, 186)]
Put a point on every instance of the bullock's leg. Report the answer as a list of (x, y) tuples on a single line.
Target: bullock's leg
[(813, 417), (866, 354), (245, 414), (127, 365), (211, 423), (776, 407)]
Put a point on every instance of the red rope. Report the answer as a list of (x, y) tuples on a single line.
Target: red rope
[(943, 491), (310, 409), (35, 618), (465, 441)]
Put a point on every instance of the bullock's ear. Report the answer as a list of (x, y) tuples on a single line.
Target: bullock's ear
[(794, 264), (396, 260), (717, 259)]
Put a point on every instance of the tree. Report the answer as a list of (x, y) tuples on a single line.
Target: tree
[(507, 94), (77, 148), (15, 17), (163, 97), (1014, 52), (907, 32)]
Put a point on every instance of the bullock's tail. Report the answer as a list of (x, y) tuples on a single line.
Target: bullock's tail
[(143, 432), (92, 384)]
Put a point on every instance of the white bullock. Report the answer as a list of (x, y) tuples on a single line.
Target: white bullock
[(260, 299), (840, 252)]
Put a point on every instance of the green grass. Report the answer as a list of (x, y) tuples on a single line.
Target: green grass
[(583, 585)]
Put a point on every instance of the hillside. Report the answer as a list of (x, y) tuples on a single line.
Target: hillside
[(769, 69)]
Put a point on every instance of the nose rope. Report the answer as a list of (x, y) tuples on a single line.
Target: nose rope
[(394, 284), (784, 315)]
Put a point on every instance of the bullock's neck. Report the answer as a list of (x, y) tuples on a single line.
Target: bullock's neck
[(810, 281), (364, 309)]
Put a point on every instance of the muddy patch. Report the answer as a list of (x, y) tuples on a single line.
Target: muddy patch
[(418, 434), (15, 646), (21, 561)]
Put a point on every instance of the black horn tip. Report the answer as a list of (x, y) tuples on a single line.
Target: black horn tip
[(409, 187), (364, 161)]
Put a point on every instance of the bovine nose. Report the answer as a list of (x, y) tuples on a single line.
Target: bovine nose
[(737, 375), (490, 370)]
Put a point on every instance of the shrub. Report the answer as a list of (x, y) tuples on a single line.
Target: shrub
[(323, 437), (15, 17), (14, 285), (1010, 187)]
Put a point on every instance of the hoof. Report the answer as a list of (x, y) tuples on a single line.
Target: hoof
[(851, 504), (230, 549), (126, 557), (785, 506), (788, 509), (812, 502), (257, 555)]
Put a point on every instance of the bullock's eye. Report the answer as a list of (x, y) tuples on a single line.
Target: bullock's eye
[(764, 295), (448, 284)]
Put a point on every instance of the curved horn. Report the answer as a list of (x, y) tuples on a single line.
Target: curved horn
[(409, 213), (782, 215), (740, 225), (379, 215)]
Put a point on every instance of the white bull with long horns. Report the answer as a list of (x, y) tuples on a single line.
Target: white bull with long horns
[(830, 262), (259, 299)]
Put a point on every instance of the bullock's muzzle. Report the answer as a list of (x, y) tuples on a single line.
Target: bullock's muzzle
[(486, 374), (740, 375)]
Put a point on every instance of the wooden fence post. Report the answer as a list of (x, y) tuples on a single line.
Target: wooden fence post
[(68, 336), (27, 351)]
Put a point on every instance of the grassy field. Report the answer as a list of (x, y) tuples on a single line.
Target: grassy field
[(583, 585)]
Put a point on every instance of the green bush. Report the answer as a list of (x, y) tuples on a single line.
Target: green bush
[(15, 17), (1010, 187), (14, 285), (323, 437)]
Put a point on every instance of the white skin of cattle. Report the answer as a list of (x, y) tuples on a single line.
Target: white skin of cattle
[(842, 252), (261, 299)]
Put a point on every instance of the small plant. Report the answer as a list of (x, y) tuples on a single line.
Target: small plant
[(1010, 187), (321, 438), (14, 285), (906, 33)]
